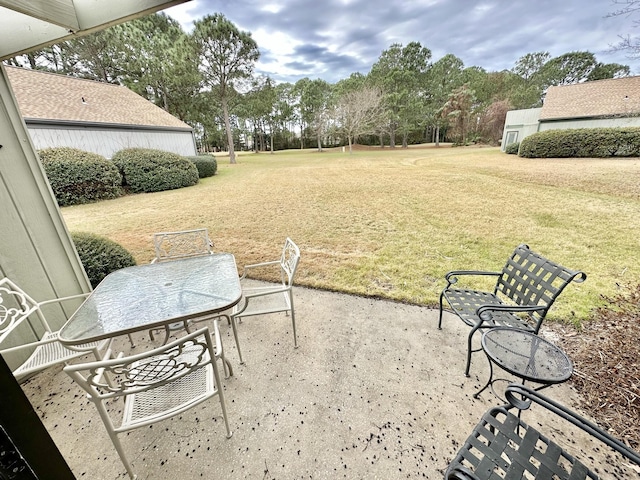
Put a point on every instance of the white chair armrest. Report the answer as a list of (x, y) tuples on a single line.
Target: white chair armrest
[(266, 292), (258, 265), (62, 299)]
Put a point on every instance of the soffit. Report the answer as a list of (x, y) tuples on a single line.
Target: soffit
[(32, 24)]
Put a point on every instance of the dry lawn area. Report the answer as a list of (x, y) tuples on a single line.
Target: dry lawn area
[(390, 223)]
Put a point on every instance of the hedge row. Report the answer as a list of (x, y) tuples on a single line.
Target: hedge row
[(79, 177), (582, 142), (100, 256), (512, 148), (148, 170), (207, 165)]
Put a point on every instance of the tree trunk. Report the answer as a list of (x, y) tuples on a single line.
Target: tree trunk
[(319, 144), (271, 139), (165, 100), (350, 151), (404, 140), (381, 141), (261, 143), (227, 126), (392, 139), (32, 61), (437, 135), (464, 131)]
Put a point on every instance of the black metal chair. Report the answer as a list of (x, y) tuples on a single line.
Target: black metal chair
[(502, 446), (525, 289)]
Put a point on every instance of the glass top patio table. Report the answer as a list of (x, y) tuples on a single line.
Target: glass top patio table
[(153, 295)]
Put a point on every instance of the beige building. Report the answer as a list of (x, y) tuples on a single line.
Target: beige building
[(62, 111), (603, 103)]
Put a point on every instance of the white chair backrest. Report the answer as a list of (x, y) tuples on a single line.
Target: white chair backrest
[(186, 243), (123, 376), (15, 306), (289, 261)]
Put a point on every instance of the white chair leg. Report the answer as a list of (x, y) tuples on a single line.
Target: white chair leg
[(221, 397), (235, 336), (116, 441)]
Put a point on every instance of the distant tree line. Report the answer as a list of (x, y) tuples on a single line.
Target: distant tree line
[(206, 78)]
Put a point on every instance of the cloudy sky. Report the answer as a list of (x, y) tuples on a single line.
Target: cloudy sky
[(330, 39)]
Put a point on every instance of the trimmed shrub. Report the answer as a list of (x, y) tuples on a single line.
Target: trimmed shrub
[(582, 142), (148, 170), (78, 177), (207, 165), (100, 256), (512, 148)]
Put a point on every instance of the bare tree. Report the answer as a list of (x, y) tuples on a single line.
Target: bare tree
[(491, 121), (320, 125), (359, 112), (627, 42)]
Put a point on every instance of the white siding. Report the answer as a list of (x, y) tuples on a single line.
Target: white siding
[(106, 142), (590, 123), (520, 124)]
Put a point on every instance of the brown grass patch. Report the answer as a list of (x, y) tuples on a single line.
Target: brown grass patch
[(391, 222)]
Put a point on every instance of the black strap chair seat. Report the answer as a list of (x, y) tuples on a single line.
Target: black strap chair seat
[(502, 446)]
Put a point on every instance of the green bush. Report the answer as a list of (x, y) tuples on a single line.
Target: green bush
[(582, 142), (78, 177), (148, 170), (207, 165), (512, 148), (100, 256)]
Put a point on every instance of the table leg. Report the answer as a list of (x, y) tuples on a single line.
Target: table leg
[(490, 381), (226, 364)]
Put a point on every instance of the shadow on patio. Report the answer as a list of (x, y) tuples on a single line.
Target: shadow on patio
[(375, 390)]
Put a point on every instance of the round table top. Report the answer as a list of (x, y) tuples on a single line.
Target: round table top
[(527, 355)]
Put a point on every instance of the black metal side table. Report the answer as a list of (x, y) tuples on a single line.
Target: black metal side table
[(526, 356)]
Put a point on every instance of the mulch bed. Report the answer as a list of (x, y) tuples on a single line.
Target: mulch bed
[(606, 357)]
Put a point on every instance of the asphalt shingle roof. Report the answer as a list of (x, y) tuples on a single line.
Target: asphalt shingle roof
[(49, 96), (601, 98)]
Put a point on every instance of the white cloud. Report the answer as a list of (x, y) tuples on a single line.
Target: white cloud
[(334, 38), (271, 8)]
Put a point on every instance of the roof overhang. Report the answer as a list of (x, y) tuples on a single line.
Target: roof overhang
[(33, 24), (587, 117), (72, 124)]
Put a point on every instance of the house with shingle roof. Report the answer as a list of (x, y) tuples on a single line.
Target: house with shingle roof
[(612, 102), (62, 111)]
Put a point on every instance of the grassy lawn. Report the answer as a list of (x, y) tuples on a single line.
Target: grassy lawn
[(390, 223)]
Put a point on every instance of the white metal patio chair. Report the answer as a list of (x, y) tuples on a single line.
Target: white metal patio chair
[(271, 298), (155, 385), (181, 244), (175, 245), (21, 314)]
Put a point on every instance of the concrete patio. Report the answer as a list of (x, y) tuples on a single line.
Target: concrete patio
[(375, 390)]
